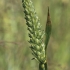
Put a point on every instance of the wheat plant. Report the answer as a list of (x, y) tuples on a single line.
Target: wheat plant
[(36, 35)]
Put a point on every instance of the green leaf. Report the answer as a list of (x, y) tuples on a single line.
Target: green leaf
[(47, 30)]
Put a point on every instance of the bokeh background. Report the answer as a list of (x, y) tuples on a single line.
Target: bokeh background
[(15, 53)]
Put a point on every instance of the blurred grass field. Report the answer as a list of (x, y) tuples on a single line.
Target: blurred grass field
[(15, 53)]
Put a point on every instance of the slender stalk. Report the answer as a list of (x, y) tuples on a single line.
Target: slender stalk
[(41, 66)]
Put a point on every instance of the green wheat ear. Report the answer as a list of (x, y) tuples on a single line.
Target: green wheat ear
[(35, 32), (38, 47)]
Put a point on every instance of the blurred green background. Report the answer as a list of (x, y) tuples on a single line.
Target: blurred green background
[(15, 53)]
